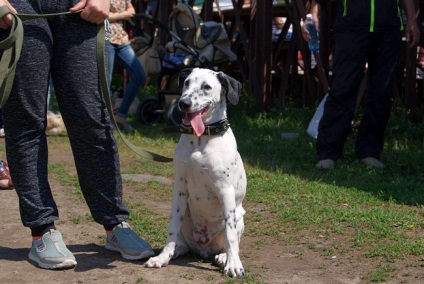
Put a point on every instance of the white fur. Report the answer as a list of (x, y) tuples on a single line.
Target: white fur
[(210, 183)]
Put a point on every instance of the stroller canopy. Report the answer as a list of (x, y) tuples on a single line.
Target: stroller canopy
[(208, 39)]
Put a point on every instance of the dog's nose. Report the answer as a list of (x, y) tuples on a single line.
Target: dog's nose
[(184, 105)]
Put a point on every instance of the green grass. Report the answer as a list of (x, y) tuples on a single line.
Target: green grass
[(376, 212)]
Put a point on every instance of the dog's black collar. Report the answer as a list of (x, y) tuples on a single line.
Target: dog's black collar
[(212, 129)]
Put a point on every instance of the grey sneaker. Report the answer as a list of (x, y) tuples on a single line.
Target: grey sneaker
[(128, 243), (50, 252)]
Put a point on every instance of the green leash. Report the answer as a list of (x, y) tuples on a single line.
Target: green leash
[(12, 47)]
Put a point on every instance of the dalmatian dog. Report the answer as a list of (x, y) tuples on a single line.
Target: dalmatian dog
[(210, 180)]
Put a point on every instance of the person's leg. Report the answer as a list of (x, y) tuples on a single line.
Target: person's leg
[(80, 100), (26, 143), (111, 62), (378, 102), (349, 62), (81, 103), (25, 122), (128, 59)]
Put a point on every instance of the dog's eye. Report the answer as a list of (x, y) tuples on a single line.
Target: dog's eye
[(186, 83), (207, 87)]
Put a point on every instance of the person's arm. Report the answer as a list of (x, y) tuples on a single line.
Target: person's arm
[(412, 31), (122, 16), (6, 20), (314, 10), (93, 11)]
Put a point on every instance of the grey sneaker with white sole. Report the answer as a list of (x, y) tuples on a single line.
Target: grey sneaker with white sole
[(50, 252), (125, 241)]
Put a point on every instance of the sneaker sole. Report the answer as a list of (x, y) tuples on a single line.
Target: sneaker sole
[(144, 254), (69, 263)]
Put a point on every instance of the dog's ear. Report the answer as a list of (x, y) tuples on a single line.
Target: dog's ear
[(183, 75), (231, 88)]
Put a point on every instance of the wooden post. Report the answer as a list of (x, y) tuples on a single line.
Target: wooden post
[(261, 45)]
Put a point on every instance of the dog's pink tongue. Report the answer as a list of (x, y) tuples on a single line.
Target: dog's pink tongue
[(197, 123)]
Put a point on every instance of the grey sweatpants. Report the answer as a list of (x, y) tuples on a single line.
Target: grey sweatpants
[(66, 47)]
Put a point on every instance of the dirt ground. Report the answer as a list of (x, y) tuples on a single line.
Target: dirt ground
[(266, 259)]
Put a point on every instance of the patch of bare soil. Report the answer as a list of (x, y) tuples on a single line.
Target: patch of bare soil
[(267, 259)]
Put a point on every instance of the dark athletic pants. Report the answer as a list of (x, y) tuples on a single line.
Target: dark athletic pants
[(352, 51), (65, 46)]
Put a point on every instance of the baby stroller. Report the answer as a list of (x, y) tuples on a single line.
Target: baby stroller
[(194, 43)]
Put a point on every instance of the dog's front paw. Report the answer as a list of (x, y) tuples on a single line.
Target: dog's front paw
[(232, 266), (221, 259), (157, 261), (234, 270)]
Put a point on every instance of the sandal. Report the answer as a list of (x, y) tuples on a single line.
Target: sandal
[(5, 176)]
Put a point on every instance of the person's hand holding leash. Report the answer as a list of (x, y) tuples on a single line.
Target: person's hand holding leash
[(93, 11), (6, 20)]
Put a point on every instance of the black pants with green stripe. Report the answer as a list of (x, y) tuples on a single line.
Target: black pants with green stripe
[(353, 50), (66, 47)]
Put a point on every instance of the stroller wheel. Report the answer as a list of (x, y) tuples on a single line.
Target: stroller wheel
[(149, 111)]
